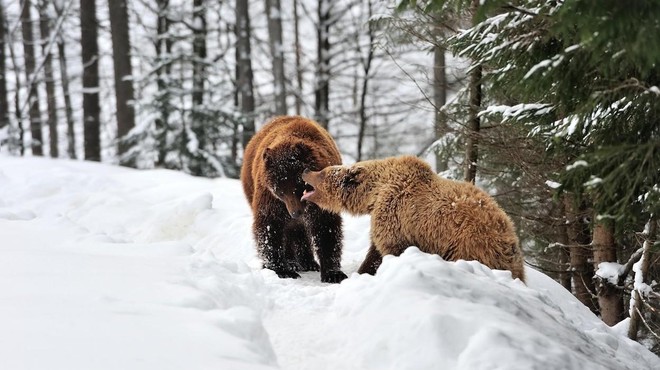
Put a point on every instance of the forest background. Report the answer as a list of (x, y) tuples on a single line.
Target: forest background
[(551, 106)]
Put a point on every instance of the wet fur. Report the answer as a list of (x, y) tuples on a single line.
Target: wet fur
[(410, 205), (286, 230)]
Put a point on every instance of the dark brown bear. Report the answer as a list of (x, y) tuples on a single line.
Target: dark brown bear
[(285, 227), (410, 205)]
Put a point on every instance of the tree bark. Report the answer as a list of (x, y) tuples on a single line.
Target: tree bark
[(199, 53), (70, 132), (322, 91), (163, 51), (273, 12), (31, 81), (121, 47), (439, 100), (44, 28), (244, 69), (4, 100), (90, 59), (64, 77), (636, 302), (299, 77), (473, 127), (580, 253), (610, 299), (17, 103), (564, 250), (366, 65)]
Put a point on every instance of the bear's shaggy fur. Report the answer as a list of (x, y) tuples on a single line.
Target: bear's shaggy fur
[(412, 206), (284, 226)]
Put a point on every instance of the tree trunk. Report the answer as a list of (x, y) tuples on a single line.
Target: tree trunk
[(64, 77), (44, 28), (121, 48), (610, 299), (244, 69), (636, 301), (31, 81), (473, 127), (199, 54), (273, 12), (163, 51), (4, 101), (564, 250), (70, 133), (90, 59), (17, 103), (580, 253), (299, 77), (439, 100), (322, 92), (366, 64), (474, 123)]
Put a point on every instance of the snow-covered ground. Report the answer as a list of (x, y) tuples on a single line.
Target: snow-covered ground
[(104, 267)]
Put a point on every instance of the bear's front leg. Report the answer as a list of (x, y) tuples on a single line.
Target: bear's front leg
[(269, 234), (371, 262), (299, 254), (326, 235)]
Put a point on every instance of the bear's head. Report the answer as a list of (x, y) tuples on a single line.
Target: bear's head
[(284, 164), (339, 188)]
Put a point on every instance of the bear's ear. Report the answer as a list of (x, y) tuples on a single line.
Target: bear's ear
[(268, 155), (353, 177)]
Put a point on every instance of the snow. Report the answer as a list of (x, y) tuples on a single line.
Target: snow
[(104, 267), (610, 271)]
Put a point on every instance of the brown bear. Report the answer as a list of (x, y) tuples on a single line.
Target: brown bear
[(284, 226), (412, 206)]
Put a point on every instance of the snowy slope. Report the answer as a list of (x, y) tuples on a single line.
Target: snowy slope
[(110, 268)]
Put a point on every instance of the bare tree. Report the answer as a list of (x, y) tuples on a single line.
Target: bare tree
[(44, 28), (199, 53), (474, 122), (4, 101), (244, 76), (121, 47), (64, 77), (322, 89), (33, 92), (440, 126), (163, 46), (299, 71), (17, 104), (365, 61), (273, 12), (90, 60)]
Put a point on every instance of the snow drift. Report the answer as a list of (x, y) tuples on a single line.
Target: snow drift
[(110, 268)]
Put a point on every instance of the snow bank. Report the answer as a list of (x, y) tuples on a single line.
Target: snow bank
[(110, 268)]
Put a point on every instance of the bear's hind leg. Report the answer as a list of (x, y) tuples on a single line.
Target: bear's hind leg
[(371, 262)]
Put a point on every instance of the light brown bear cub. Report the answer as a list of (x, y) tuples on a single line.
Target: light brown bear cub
[(412, 206)]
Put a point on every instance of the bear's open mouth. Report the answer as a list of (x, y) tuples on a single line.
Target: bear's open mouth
[(309, 190)]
